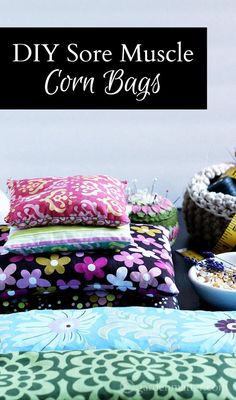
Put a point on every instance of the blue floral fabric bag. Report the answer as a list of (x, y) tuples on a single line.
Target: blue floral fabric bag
[(134, 328)]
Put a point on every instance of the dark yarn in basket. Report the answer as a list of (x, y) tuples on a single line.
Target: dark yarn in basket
[(207, 214)]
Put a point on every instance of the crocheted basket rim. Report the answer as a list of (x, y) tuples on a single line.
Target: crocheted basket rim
[(219, 204)]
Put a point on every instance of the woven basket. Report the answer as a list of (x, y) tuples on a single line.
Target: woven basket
[(207, 214)]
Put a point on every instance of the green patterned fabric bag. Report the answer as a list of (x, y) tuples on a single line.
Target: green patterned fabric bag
[(116, 375)]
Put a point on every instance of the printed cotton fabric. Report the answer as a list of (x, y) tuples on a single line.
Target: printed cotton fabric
[(144, 268), (66, 238), (86, 200), (87, 299), (134, 328), (117, 374)]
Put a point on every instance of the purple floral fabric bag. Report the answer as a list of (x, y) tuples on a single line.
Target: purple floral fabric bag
[(143, 268)]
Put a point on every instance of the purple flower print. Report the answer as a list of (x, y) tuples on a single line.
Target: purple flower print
[(20, 257), (129, 259), (168, 287), (147, 241), (91, 268), (32, 279), (163, 253), (226, 325), (165, 265), (72, 284), (79, 254), (118, 280), (145, 277), (4, 236), (5, 276)]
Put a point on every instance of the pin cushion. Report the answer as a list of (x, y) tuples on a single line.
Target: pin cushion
[(154, 209), (208, 213)]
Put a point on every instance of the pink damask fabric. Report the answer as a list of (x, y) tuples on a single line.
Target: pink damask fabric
[(86, 200)]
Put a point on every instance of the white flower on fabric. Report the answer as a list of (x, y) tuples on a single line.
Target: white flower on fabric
[(54, 330), (145, 253), (213, 333), (166, 243)]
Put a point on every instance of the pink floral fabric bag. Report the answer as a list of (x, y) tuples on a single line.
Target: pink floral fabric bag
[(87, 200)]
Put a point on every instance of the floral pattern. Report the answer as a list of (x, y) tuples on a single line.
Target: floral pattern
[(147, 230), (4, 236), (91, 268), (117, 374), (5, 276), (146, 277), (72, 284), (59, 329), (20, 377), (226, 325), (44, 291), (32, 279), (86, 200), (119, 281), (139, 369), (146, 328), (20, 257), (54, 263), (129, 259), (49, 298), (146, 240), (169, 285), (137, 266), (218, 330), (162, 213), (165, 265), (145, 252)]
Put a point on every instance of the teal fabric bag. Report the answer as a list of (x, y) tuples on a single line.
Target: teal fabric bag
[(134, 328)]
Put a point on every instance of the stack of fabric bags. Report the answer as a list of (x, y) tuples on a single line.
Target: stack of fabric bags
[(71, 245), (133, 353)]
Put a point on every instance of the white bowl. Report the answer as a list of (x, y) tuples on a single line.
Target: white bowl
[(221, 299)]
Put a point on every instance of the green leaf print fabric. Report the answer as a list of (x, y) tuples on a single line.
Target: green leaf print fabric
[(116, 375)]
